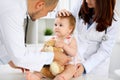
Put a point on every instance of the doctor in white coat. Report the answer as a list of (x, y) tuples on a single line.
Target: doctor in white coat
[(12, 46), (96, 31)]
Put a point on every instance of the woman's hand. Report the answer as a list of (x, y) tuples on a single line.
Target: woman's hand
[(64, 12), (79, 70)]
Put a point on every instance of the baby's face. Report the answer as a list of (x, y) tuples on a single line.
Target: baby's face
[(62, 27)]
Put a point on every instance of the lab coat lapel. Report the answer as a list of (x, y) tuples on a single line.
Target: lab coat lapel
[(93, 25)]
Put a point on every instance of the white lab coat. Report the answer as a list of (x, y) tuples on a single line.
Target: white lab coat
[(94, 51), (12, 46)]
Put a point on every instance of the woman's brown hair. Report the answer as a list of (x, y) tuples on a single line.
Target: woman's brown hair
[(102, 14)]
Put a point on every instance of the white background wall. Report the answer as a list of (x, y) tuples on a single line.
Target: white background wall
[(115, 58), (117, 10)]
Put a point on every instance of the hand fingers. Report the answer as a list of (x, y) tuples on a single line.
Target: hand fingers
[(65, 61), (67, 13), (23, 70), (68, 60), (63, 13), (77, 74), (78, 71), (27, 70)]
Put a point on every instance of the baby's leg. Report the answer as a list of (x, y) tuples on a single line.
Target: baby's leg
[(33, 76), (67, 74)]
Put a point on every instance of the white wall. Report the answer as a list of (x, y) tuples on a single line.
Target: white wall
[(115, 58), (42, 25), (115, 62), (32, 32), (117, 10), (118, 6)]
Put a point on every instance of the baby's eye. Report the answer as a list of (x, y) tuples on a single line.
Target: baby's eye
[(55, 24), (61, 25)]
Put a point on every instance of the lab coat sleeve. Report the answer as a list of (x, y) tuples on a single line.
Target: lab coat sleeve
[(105, 50), (75, 7), (13, 39)]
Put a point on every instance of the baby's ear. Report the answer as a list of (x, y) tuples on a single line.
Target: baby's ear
[(70, 31)]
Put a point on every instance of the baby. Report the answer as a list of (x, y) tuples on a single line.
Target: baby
[(63, 29)]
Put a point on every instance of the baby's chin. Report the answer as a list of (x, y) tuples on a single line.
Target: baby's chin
[(57, 34)]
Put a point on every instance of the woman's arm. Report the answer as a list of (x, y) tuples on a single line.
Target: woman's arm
[(75, 7)]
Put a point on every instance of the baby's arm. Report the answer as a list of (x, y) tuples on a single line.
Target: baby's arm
[(71, 49)]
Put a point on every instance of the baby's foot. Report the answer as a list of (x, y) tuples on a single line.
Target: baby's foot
[(33, 76)]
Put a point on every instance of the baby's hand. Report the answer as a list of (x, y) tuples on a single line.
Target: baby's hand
[(59, 44)]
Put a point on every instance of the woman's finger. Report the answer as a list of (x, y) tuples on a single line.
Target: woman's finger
[(79, 71), (77, 74), (63, 13)]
